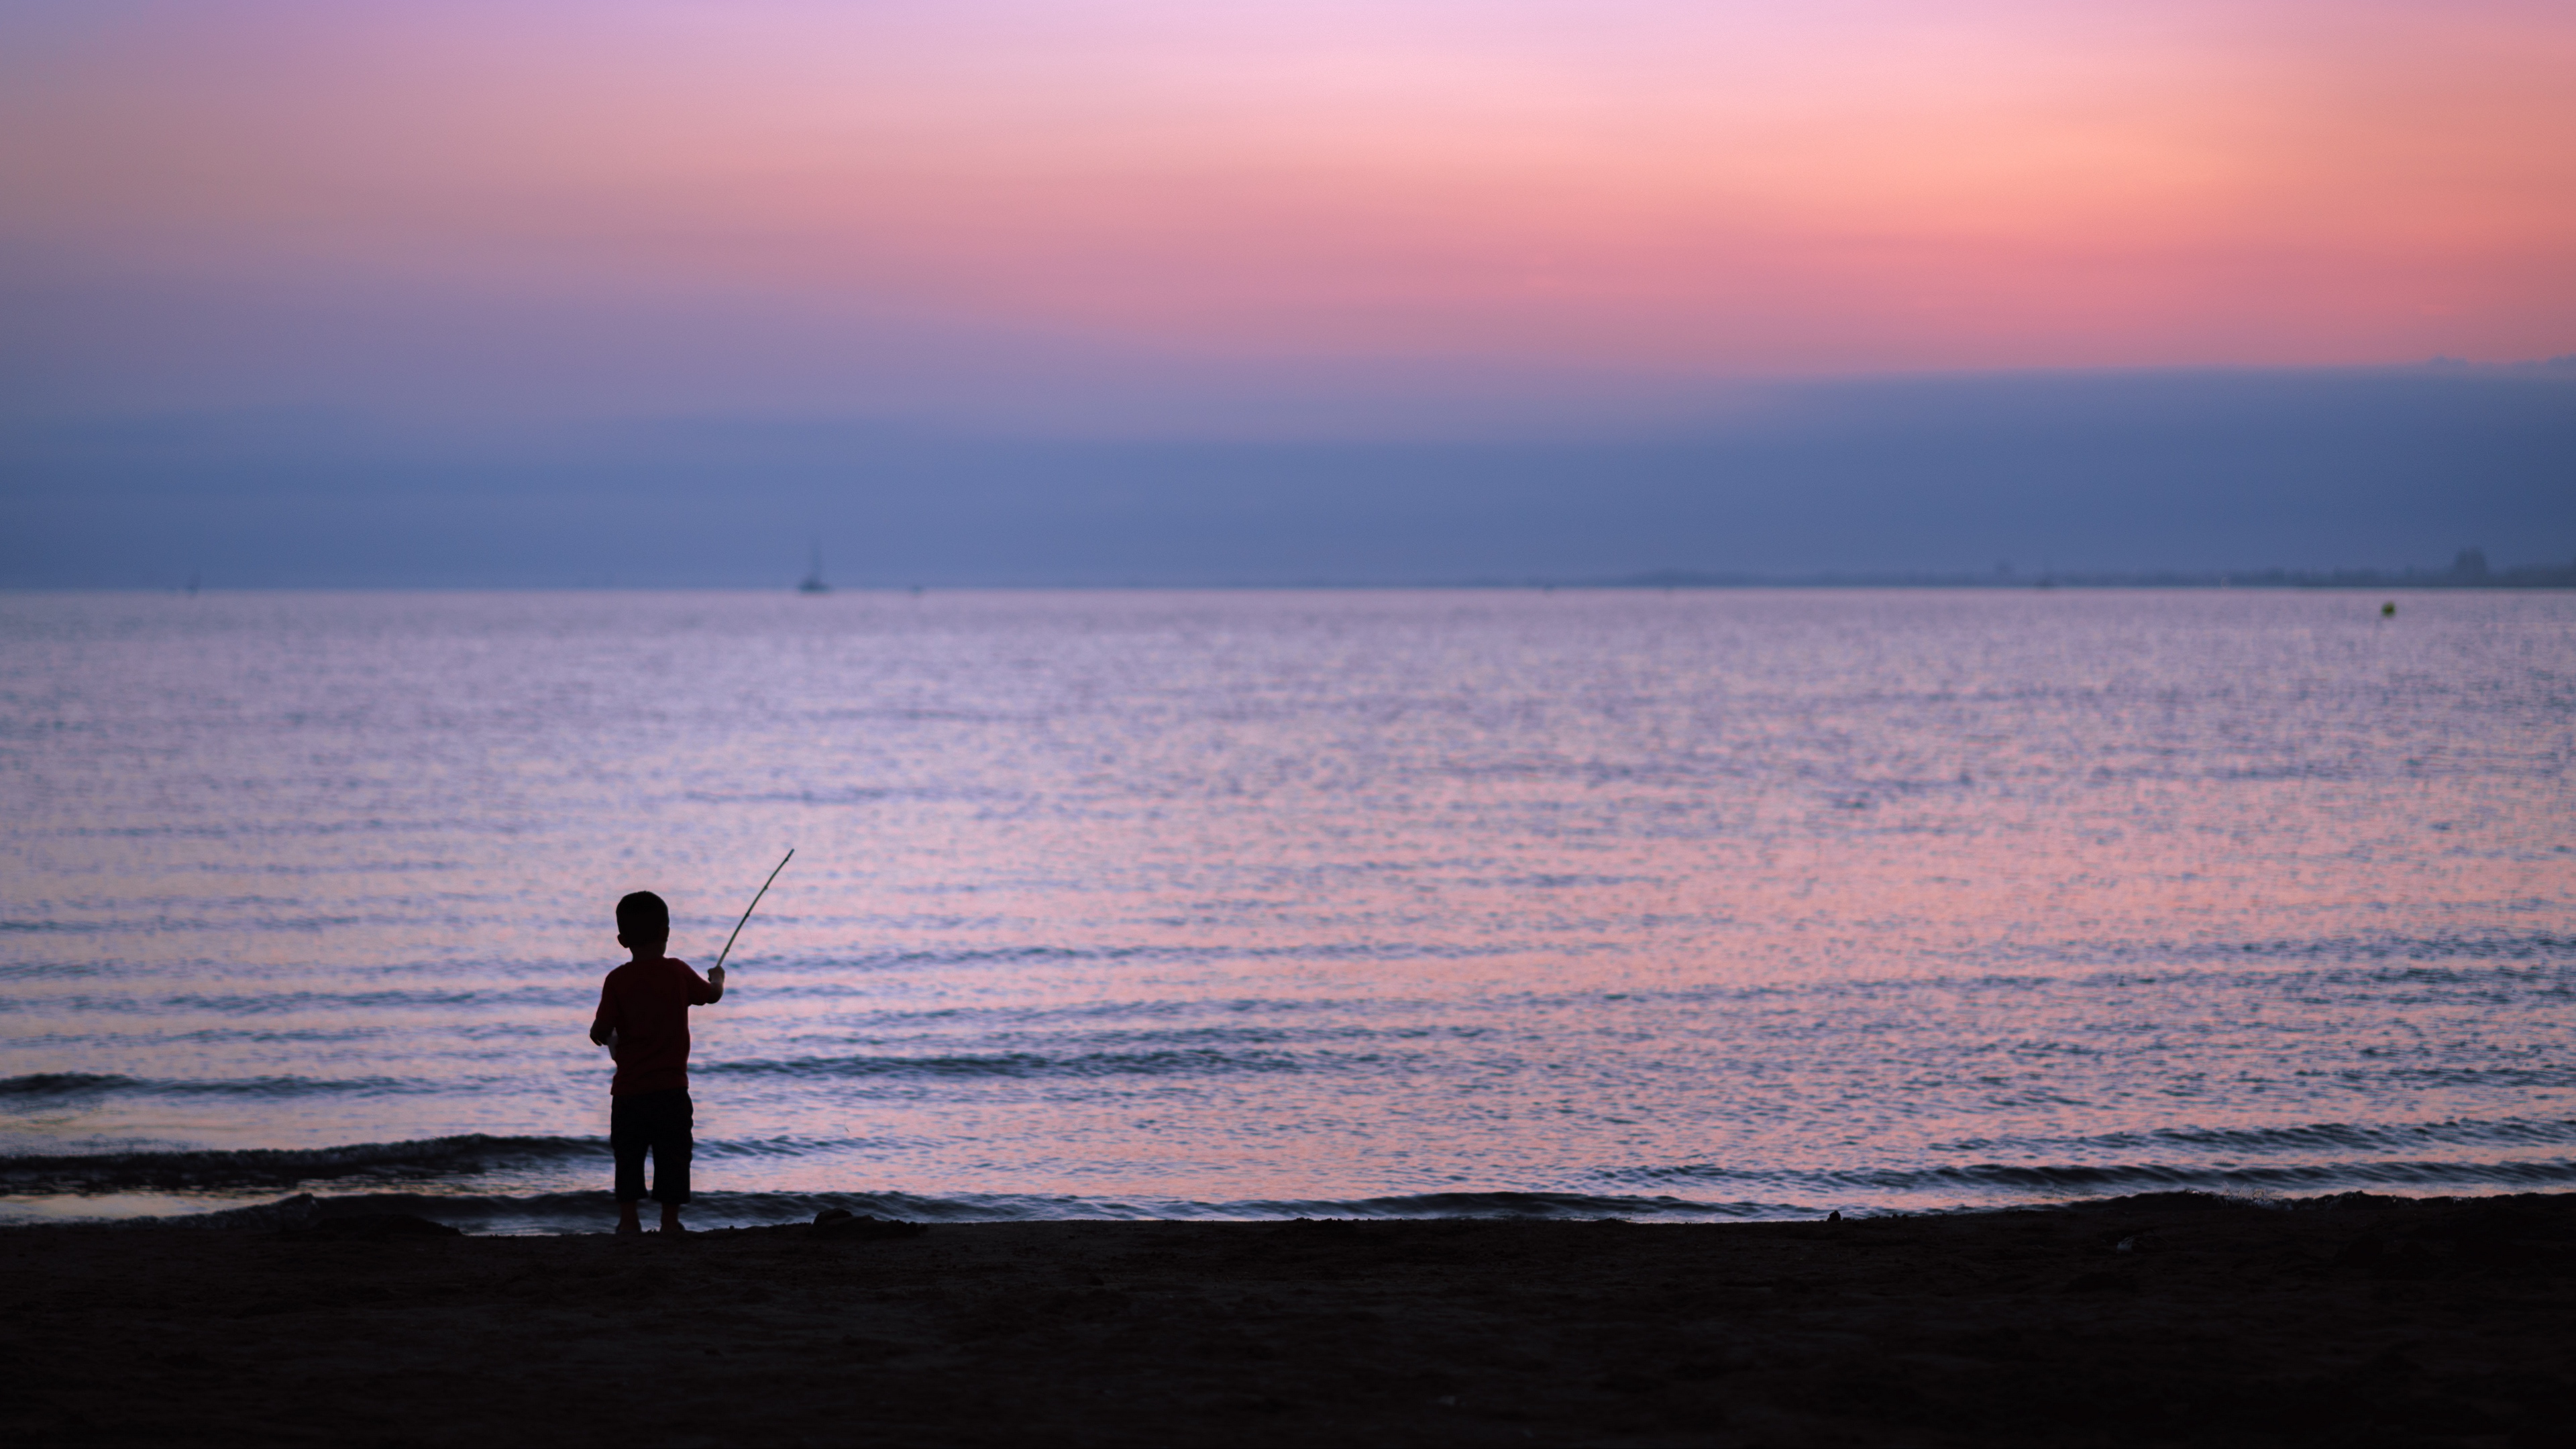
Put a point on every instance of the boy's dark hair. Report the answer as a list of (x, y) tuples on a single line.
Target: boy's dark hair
[(643, 914)]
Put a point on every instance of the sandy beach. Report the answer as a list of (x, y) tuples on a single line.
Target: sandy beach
[(2145, 1320)]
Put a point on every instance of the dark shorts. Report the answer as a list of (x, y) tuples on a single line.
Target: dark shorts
[(655, 1122)]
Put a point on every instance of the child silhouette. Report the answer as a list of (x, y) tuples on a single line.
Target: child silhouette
[(643, 1020)]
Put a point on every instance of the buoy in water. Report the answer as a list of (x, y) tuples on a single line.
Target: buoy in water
[(2388, 610)]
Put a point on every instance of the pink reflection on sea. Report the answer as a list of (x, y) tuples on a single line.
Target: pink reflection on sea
[(1749, 901)]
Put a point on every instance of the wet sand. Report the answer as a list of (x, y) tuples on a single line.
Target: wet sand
[(2358, 1321)]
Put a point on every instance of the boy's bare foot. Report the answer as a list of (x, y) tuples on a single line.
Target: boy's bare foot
[(671, 1221), (626, 1219)]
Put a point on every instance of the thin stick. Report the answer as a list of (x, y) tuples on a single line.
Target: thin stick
[(747, 910)]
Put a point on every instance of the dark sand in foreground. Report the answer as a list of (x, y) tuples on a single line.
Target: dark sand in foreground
[(2355, 1322)]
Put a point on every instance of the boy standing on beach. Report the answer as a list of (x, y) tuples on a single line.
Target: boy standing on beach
[(643, 1020)]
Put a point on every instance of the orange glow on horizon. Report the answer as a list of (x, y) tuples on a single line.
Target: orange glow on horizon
[(1860, 188)]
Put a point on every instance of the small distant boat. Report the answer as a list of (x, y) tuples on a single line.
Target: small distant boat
[(813, 582)]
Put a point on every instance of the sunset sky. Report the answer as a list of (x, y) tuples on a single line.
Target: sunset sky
[(1244, 218)]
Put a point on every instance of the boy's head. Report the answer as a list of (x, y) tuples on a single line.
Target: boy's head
[(643, 922)]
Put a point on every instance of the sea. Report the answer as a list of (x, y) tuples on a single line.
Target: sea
[(1678, 905)]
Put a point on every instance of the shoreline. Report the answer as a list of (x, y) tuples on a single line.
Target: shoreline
[(582, 1211), (2166, 1318)]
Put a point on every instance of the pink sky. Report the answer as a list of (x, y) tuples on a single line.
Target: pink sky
[(1714, 189)]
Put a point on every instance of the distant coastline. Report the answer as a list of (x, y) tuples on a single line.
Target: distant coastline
[(2469, 570), (2538, 576)]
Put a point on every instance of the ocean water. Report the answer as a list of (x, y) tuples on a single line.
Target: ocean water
[(1695, 904)]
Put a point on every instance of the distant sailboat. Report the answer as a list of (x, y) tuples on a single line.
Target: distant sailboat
[(813, 583)]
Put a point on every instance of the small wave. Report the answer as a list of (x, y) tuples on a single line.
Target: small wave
[(274, 1003), (2487, 1077), (595, 1211), (76, 1084), (1556, 882), (2391, 947), (847, 795), (1196, 1063), (1986, 1179), (1511, 1205), (1034, 955), (63, 1084), (2343, 1137), (206, 1171), (59, 928)]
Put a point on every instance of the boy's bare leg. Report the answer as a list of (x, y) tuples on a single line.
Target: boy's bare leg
[(627, 1222), (671, 1218)]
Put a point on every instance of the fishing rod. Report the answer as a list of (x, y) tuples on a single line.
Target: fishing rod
[(755, 905)]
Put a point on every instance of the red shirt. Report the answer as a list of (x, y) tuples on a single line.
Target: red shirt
[(647, 1004)]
